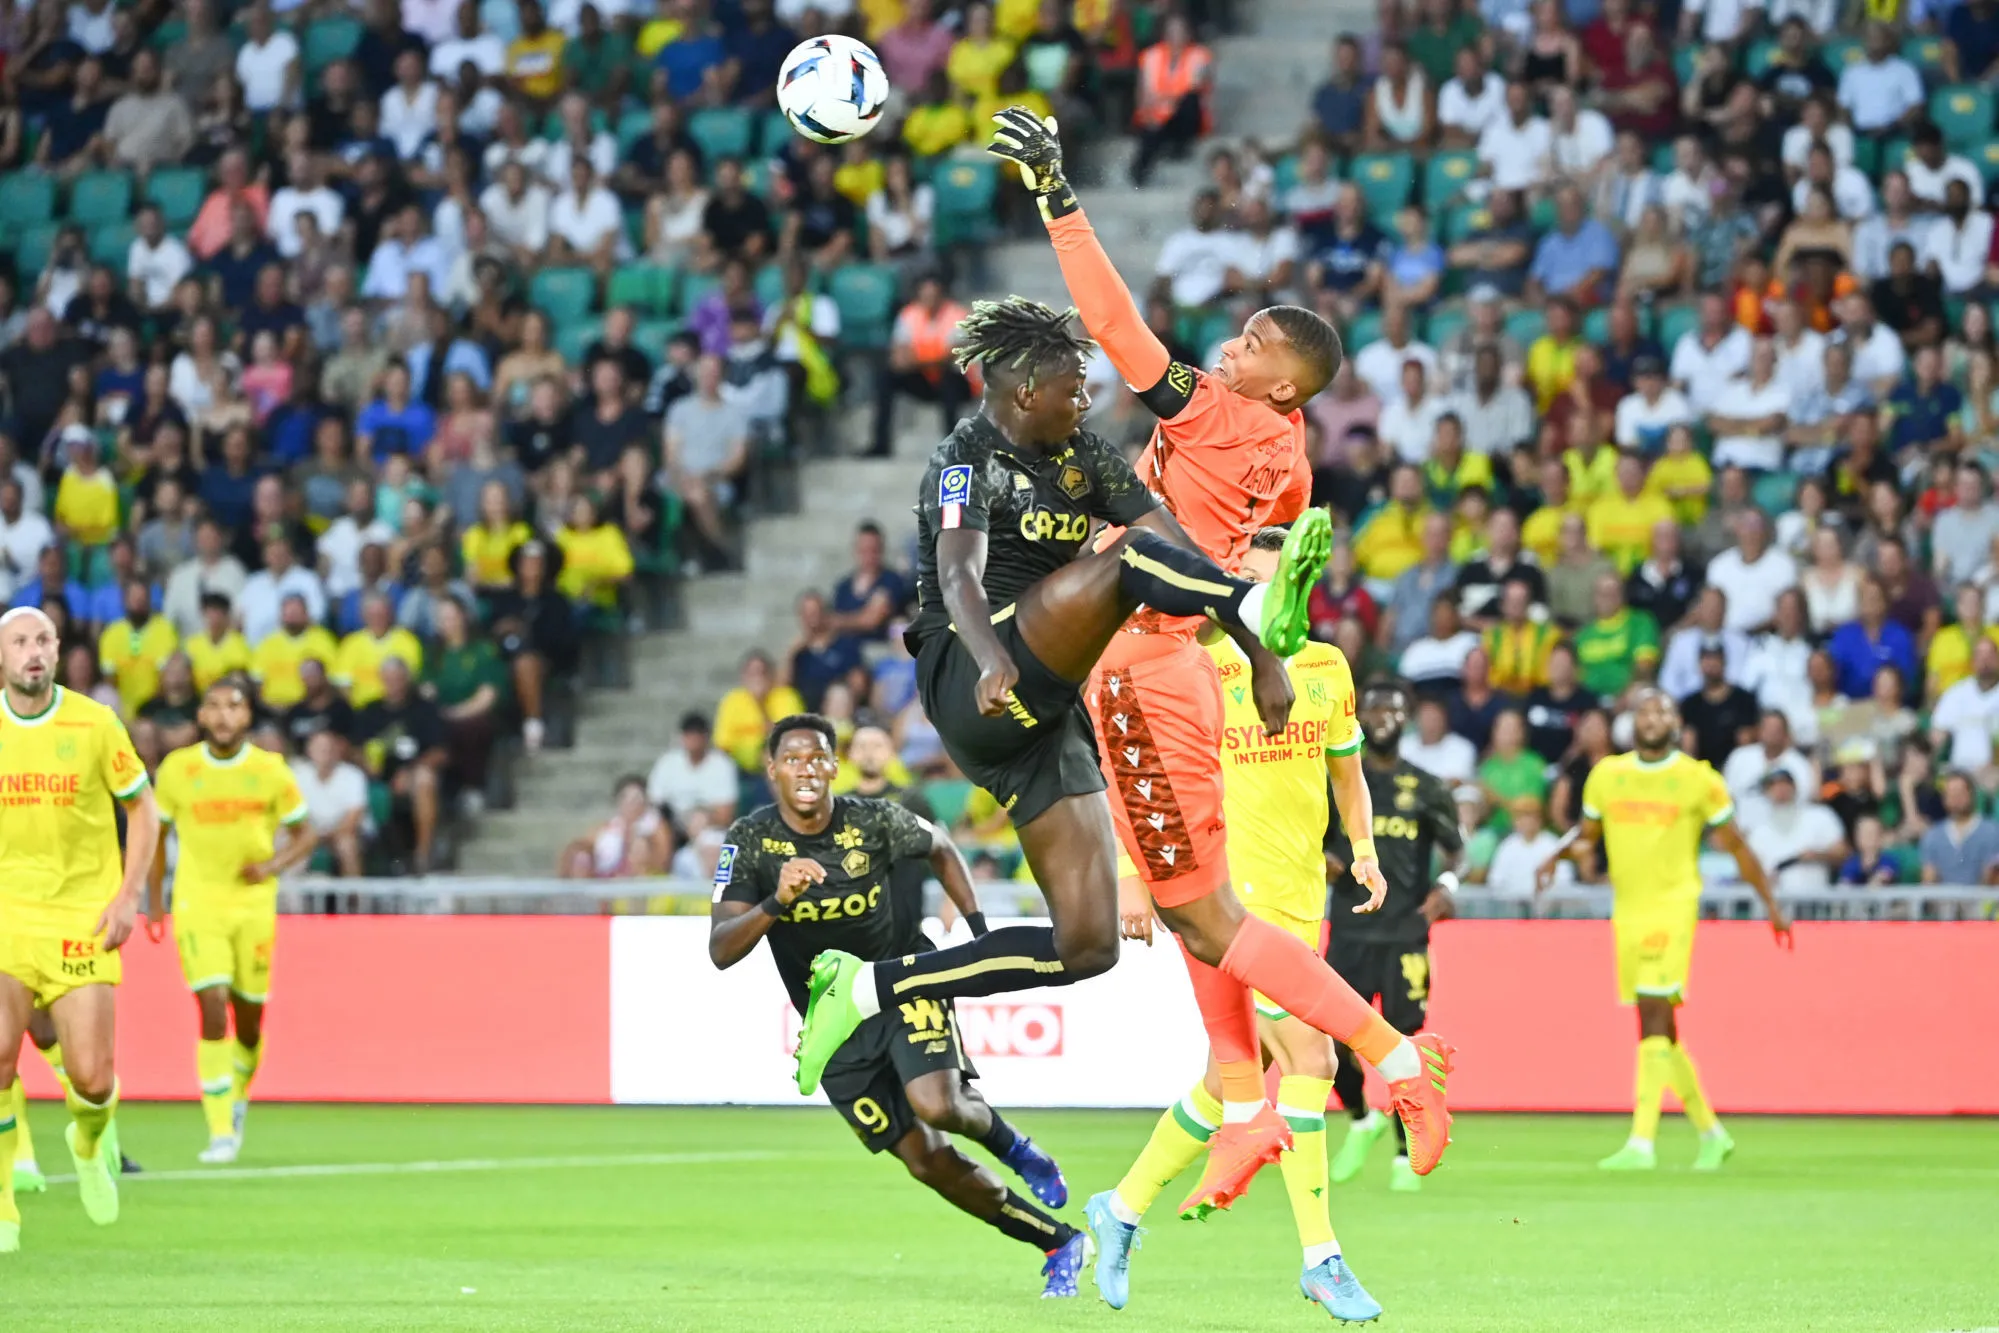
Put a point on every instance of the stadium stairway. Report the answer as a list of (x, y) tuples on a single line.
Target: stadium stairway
[(1264, 78)]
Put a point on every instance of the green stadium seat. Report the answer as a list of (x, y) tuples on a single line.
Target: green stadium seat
[(1757, 58), (1596, 326), (1675, 320), (633, 125), (1774, 492), (573, 338), (32, 247), (722, 132), (773, 133), (650, 336), (1384, 181), (1985, 157), (169, 34), (111, 243), (1215, 328), (769, 285), (1464, 219), (1893, 154), (865, 295), (1662, 159), (1444, 325), (1284, 174), (1524, 326), (179, 192), (1867, 156), (1839, 52), (1963, 113), (694, 287), (760, 180), (646, 288), (26, 197), (1925, 52), (1446, 175), (965, 191), (1362, 330), (565, 295), (329, 39), (1685, 56), (99, 197)]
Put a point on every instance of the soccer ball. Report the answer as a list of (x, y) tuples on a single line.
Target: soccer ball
[(832, 88)]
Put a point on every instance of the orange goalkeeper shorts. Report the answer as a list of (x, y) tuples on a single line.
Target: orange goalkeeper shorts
[(1157, 703)]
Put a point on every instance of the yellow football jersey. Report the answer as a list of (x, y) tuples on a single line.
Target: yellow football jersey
[(1654, 816), (358, 666), (133, 658), (277, 657), (212, 659), (60, 772), (226, 814), (1274, 792)]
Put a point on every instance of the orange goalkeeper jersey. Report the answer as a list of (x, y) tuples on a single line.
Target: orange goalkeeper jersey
[(1223, 464)]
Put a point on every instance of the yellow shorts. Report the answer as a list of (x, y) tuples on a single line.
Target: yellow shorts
[(1305, 928), (51, 966), (1654, 952), (228, 948)]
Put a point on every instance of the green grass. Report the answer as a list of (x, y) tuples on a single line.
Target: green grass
[(1817, 1226)]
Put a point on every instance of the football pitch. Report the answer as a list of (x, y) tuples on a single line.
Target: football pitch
[(635, 1218)]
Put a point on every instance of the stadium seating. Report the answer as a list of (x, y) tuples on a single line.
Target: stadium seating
[(865, 294), (563, 294)]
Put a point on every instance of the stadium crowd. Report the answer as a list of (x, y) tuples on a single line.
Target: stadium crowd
[(395, 354), (1670, 360)]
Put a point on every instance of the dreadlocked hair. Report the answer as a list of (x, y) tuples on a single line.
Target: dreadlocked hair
[(1016, 334)]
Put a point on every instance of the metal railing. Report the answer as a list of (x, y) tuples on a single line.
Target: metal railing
[(442, 895)]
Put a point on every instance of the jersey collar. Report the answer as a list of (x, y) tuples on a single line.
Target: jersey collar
[(1653, 765), (36, 720), (242, 753)]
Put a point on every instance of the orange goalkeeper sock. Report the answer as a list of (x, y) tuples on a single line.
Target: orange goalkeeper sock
[(1278, 964)]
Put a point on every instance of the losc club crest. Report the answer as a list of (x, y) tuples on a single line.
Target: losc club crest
[(855, 863), (1075, 482)]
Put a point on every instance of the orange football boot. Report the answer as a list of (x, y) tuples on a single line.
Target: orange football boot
[(1420, 1103), (1235, 1154)]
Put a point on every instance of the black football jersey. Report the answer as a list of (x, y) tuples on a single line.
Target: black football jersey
[(1414, 815), (1036, 512), (853, 908)]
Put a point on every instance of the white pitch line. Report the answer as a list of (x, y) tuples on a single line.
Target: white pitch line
[(335, 1169)]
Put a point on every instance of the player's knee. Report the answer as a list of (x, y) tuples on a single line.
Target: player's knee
[(946, 1109), (214, 1007), (930, 1166), (1086, 955), (89, 1073)]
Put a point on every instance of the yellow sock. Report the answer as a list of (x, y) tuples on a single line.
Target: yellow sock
[(212, 1061), (24, 1142), (54, 1056), (1179, 1138), (1686, 1082), (91, 1118), (247, 1060), (1302, 1103), (11, 1124), (1655, 1060)]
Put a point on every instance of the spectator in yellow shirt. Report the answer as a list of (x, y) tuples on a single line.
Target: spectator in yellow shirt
[(1517, 647), (937, 123), (131, 651), (86, 507), (1551, 358), (1621, 523), (1541, 533), (534, 59), (1390, 539), (219, 648), (743, 717), (978, 58), (1682, 475), (1012, 91), (488, 547), (357, 667), (1949, 658), (596, 560), (274, 662)]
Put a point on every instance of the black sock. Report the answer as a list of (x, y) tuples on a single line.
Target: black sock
[(1177, 581), (1020, 1220), (1350, 1083), (1401, 1136), (999, 1139), (1012, 958)]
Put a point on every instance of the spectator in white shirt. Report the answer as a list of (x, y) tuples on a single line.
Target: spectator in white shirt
[(1848, 186), (404, 250), (1929, 169), (1962, 534), (1706, 628), (1800, 349), (23, 534), (409, 107), (1882, 94), (1967, 714), (1513, 149), (1801, 842), (1689, 189), (577, 137), (694, 784), (1779, 663), (1752, 574), (336, 799), (1521, 852), (470, 44), (585, 224), (1472, 100), (1438, 657), (260, 605), (1879, 359), (1718, 22), (1710, 354), (1408, 424), (1434, 747), (516, 209), (340, 546), (1628, 187), (268, 66), (1815, 126), (1749, 415), (1899, 221), (1580, 139), (156, 261), (1266, 262), (304, 193), (1746, 766), (1959, 243), (1652, 408), (1380, 362), (1194, 263)]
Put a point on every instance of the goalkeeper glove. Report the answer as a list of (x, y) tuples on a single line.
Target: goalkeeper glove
[(1030, 143)]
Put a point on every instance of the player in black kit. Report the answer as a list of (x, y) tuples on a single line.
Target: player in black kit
[(813, 872), (1387, 953)]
